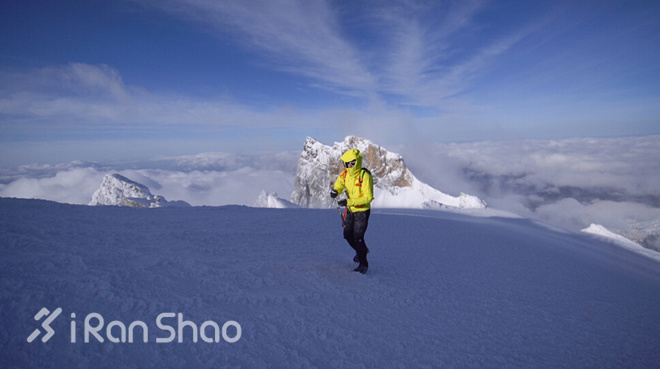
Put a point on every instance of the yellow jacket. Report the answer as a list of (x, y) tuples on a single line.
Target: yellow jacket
[(358, 183)]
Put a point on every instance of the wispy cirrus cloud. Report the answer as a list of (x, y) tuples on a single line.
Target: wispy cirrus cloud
[(419, 48), (409, 49), (418, 70), (79, 97), (300, 37)]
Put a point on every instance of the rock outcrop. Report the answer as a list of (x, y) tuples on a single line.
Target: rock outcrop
[(394, 185), (117, 190)]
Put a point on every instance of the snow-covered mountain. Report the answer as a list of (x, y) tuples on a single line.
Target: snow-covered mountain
[(444, 290), (271, 200), (394, 185), (118, 190)]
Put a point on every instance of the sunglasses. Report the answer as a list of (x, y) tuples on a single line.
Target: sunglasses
[(350, 164)]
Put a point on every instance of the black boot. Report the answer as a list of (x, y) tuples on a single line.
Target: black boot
[(362, 268), (356, 258)]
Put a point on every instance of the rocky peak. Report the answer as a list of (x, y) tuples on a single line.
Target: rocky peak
[(394, 185)]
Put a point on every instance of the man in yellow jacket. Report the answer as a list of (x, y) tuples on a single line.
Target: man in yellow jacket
[(359, 186)]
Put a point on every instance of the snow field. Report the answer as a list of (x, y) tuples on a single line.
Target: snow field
[(444, 289)]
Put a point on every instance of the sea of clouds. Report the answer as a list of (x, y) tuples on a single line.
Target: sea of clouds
[(205, 179), (570, 183)]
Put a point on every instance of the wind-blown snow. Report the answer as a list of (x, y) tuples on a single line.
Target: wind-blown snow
[(271, 200), (599, 230), (444, 290)]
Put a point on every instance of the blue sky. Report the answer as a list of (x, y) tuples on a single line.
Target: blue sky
[(112, 80)]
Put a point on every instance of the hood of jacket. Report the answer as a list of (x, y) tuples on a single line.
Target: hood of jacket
[(350, 155)]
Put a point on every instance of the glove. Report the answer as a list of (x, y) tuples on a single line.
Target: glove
[(334, 193), (342, 202)]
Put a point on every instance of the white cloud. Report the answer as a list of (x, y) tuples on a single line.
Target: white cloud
[(213, 188), (60, 104), (206, 179), (626, 166), (84, 96), (73, 186), (572, 183), (410, 51), (302, 37), (421, 65), (573, 214)]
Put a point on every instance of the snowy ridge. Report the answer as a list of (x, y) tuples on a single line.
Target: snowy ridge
[(599, 230), (394, 185), (117, 190), (271, 200), (512, 294)]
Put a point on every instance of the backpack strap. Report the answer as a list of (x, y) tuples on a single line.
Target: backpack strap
[(361, 178)]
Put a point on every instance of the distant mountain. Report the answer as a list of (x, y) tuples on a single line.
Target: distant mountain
[(271, 200), (118, 190), (394, 185)]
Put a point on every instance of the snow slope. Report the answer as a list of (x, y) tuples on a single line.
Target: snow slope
[(599, 230), (445, 290)]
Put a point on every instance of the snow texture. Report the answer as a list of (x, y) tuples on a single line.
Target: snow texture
[(445, 290), (118, 190), (394, 185)]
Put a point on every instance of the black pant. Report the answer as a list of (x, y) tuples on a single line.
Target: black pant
[(355, 225)]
